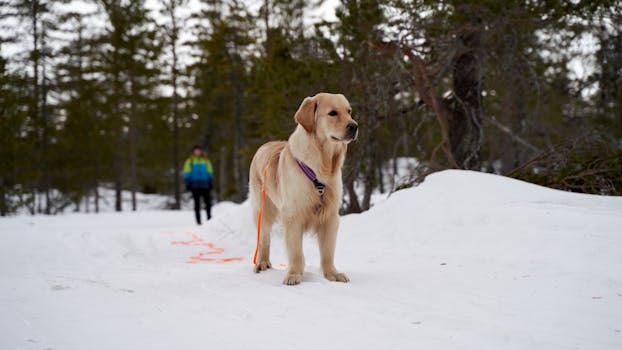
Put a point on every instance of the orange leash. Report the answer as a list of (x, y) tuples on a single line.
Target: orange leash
[(263, 199)]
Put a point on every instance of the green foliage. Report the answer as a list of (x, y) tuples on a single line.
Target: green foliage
[(85, 106), (16, 169), (588, 165)]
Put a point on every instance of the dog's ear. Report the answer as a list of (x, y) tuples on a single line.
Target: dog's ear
[(305, 115)]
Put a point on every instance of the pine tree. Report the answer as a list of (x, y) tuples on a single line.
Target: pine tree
[(131, 66), (219, 77), (172, 32), (16, 147), (39, 19), (83, 134), (369, 77)]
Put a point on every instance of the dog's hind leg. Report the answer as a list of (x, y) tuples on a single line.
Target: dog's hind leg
[(263, 256)]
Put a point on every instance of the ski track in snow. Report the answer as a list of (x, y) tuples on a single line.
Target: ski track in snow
[(464, 261)]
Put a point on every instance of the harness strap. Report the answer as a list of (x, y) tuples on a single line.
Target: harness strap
[(311, 176), (263, 199)]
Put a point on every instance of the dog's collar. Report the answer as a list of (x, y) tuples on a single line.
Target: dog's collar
[(311, 176)]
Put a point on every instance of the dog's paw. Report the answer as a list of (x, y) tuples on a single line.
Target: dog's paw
[(292, 279), (262, 266), (336, 277)]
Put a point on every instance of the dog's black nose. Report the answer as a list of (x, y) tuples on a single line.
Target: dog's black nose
[(351, 128)]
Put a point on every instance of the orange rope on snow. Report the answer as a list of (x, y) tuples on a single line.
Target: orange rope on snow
[(263, 199), (205, 255)]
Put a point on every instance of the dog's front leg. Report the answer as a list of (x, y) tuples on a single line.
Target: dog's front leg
[(327, 239), (293, 243)]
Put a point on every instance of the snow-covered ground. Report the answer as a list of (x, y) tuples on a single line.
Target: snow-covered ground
[(464, 261)]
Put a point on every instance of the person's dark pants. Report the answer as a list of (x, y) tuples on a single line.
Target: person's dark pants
[(196, 195)]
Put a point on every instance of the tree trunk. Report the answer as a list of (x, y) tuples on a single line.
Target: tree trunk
[(87, 207), (380, 176), (175, 73), (238, 172), (118, 196), (369, 184), (45, 140), (96, 198), (465, 116), (176, 165), (132, 141), (266, 20), (38, 201), (117, 166), (353, 203), (3, 200), (514, 104), (35, 107), (351, 168), (222, 170), (369, 159)]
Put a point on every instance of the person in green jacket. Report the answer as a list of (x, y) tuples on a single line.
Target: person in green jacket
[(199, 179)]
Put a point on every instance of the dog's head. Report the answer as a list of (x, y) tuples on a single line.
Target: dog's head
[(329, 117)]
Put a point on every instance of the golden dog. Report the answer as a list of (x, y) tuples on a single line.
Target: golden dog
[(302, 179)]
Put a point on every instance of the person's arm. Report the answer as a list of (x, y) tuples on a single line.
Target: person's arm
[(210, 170), (186, 172), (210, 174), (187, 169)]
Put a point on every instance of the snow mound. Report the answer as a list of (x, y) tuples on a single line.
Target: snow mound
[(464, 260)]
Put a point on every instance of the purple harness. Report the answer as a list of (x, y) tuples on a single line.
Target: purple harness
[(311, 175)]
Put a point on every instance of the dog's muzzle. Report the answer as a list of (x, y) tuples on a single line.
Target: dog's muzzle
[(351, 131)]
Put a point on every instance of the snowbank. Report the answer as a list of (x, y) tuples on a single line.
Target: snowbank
[(466, 260)]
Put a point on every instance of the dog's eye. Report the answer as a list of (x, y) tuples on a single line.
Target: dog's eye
[(349, 111), (332, 113)]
